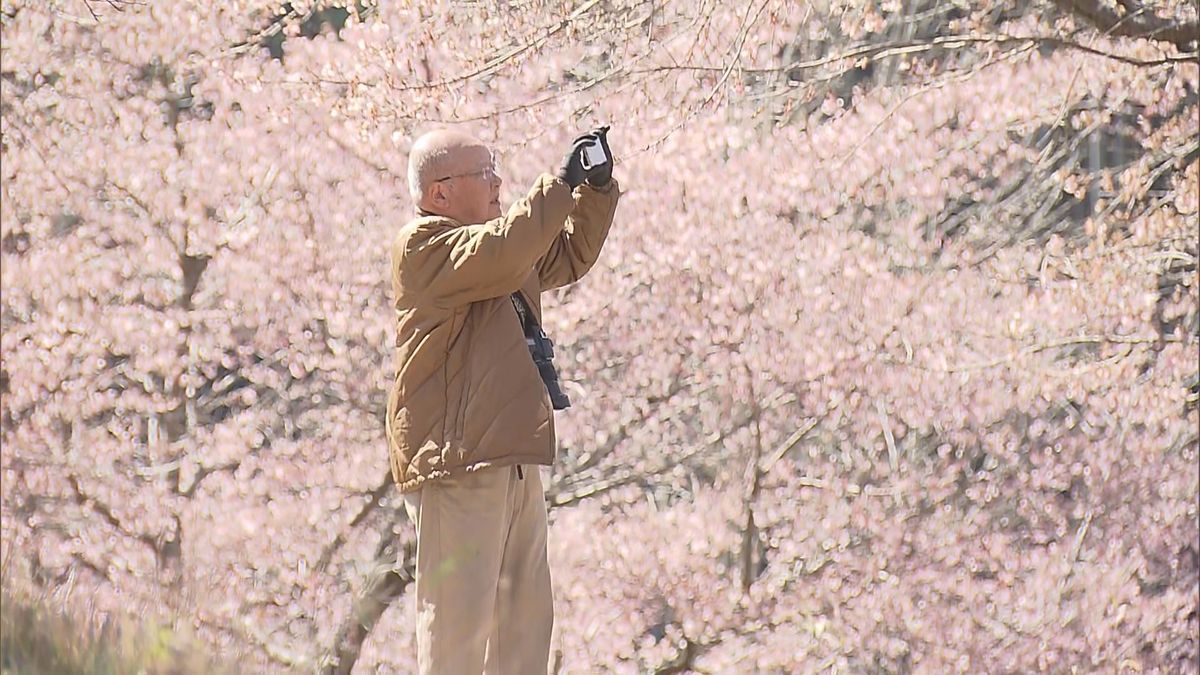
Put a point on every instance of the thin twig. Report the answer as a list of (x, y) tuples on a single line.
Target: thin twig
[(893, 458), (784, 448), (1051, 344), (1076, 550), (880, 51), (740, 43), (917, 92), (496, 63)]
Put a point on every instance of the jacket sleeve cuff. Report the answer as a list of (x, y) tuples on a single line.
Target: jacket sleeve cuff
[(608, 188)]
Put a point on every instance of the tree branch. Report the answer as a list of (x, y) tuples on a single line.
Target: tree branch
[(754, 475), (388, 583), (1142, 23), (496, 63), (1051, 344), (105, 512), (560, 494), (373, 499), (882, 50)]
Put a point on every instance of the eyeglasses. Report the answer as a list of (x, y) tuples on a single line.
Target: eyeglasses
[(488, 172)]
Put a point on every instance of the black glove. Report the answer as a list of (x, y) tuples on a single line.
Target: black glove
[(600, 175), (572, 172)]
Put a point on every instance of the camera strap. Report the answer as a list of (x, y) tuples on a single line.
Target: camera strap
[(525, 314), (541, 349)]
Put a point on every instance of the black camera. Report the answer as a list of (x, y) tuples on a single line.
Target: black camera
[(541, 348)]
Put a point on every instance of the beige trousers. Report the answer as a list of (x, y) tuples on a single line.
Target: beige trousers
[(484, 603)]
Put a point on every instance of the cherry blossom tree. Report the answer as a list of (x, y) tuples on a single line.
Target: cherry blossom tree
[(889, 363)]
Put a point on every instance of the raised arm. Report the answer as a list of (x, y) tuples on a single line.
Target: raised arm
[(573, 252), (451, 265)]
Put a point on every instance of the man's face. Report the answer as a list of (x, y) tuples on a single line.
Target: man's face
[(471, 189)]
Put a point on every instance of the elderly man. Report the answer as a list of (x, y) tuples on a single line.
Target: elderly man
[(469, 415)]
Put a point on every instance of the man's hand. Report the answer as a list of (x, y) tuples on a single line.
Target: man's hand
[(572, 172), (602, 173)]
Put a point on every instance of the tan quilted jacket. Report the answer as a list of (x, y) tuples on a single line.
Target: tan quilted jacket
[(466, 393)]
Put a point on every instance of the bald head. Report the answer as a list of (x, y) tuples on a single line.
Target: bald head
[(438, 154), (453, 174)]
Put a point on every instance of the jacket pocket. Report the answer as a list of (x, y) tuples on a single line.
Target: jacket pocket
[(464, 397), (457, 397)]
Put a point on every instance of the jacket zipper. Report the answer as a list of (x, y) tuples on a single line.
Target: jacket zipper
[(520, 474)]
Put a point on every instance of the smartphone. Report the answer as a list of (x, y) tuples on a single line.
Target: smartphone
[(594, 155)]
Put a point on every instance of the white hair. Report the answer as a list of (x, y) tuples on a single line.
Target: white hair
[(429, 156), (422, 171)]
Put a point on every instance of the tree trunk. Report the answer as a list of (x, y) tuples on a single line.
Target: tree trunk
[(387, 584)]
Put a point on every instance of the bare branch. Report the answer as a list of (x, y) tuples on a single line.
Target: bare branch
[(105, 512), (754, 474), (571, 493), (1136, 24), (1076, 549), (747, 23), (388, 583), (1052, 344), (374, 497), (877, 51), (496, 63), (797, 436), (936, 84)]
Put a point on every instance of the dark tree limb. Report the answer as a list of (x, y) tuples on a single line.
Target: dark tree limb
[(102, 509), (682, 662), (374, 497), (753, 487), (388, 582), (1141, 23)]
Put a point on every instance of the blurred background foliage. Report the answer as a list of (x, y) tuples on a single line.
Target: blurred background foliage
[(889, 365)]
